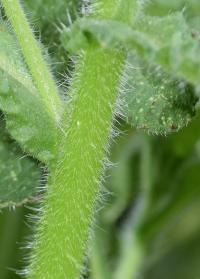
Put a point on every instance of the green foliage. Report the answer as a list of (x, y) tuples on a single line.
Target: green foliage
[(33, 55), (156, 201), (152, 215), (49, 13), (166, 41), (158, 109), (183, 143), (19, 174), (173, 45), (27, 119), (156, 101), (191, 10), (163, 8), (93, 106), (48, 16)]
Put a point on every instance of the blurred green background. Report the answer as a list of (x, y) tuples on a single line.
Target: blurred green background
[(149, 214)]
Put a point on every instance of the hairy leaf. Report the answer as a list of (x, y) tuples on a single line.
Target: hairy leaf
[(105, 33), (156, 102), (176, 47), (26, 117), (166, 41)]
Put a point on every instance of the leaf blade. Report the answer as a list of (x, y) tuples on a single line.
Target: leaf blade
[(19, 174), (22, 105)]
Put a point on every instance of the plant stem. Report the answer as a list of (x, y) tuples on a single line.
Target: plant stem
[(33, 56), (73, 188), (68, 210), (70, 202)]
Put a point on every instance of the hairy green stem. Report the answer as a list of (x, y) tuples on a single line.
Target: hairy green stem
[(70, 203), (33, 56), (74, 184)]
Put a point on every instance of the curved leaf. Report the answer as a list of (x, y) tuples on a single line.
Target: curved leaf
[(166, 41), (27, 119)]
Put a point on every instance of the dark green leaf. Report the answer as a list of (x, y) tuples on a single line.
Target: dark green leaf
[(19, 174), (154, 101)]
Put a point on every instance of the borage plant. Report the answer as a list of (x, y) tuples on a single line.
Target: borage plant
[(127, 64)]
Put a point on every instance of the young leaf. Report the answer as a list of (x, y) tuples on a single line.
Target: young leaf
[(19, 175), (27, 119), (107, 33), (166, 41)]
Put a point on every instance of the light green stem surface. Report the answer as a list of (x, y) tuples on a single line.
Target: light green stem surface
[(33, 56), (72, 192), (74, 184)]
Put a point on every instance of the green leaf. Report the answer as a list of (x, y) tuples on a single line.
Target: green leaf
[(163, 8), (26, 117), (176, 47), (104, 33), (166, 41), (19, 174), (154, 101), (49, 12)]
